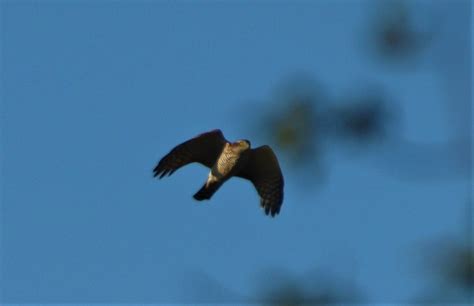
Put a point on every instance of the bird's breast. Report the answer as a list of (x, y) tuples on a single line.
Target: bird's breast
[(226, 164)]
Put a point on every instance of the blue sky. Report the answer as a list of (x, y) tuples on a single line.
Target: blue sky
[(94, 93)]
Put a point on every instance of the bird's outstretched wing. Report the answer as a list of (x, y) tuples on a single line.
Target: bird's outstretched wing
[(263, 170), (204, 149)]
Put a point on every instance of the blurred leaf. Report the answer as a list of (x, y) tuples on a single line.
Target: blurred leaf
[(363, 119), (394, 33), (456, 265), (314, 289), (450, 267), (291, 122)]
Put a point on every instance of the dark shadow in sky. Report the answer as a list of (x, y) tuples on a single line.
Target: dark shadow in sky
[(280, 288)]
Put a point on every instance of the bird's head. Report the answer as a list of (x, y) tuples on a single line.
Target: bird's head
[(243, 143)]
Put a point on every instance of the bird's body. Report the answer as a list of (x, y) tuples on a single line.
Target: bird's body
[(226, 160), (232, 158), (230, 161)]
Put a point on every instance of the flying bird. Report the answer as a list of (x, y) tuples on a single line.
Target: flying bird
[(225, 160)]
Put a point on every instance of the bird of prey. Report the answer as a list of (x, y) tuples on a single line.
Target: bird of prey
[(227, 159)]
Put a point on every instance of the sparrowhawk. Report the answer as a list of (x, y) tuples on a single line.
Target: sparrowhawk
[(227, 159)]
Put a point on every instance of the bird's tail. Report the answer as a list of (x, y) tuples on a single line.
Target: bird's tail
[(206, 192)]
